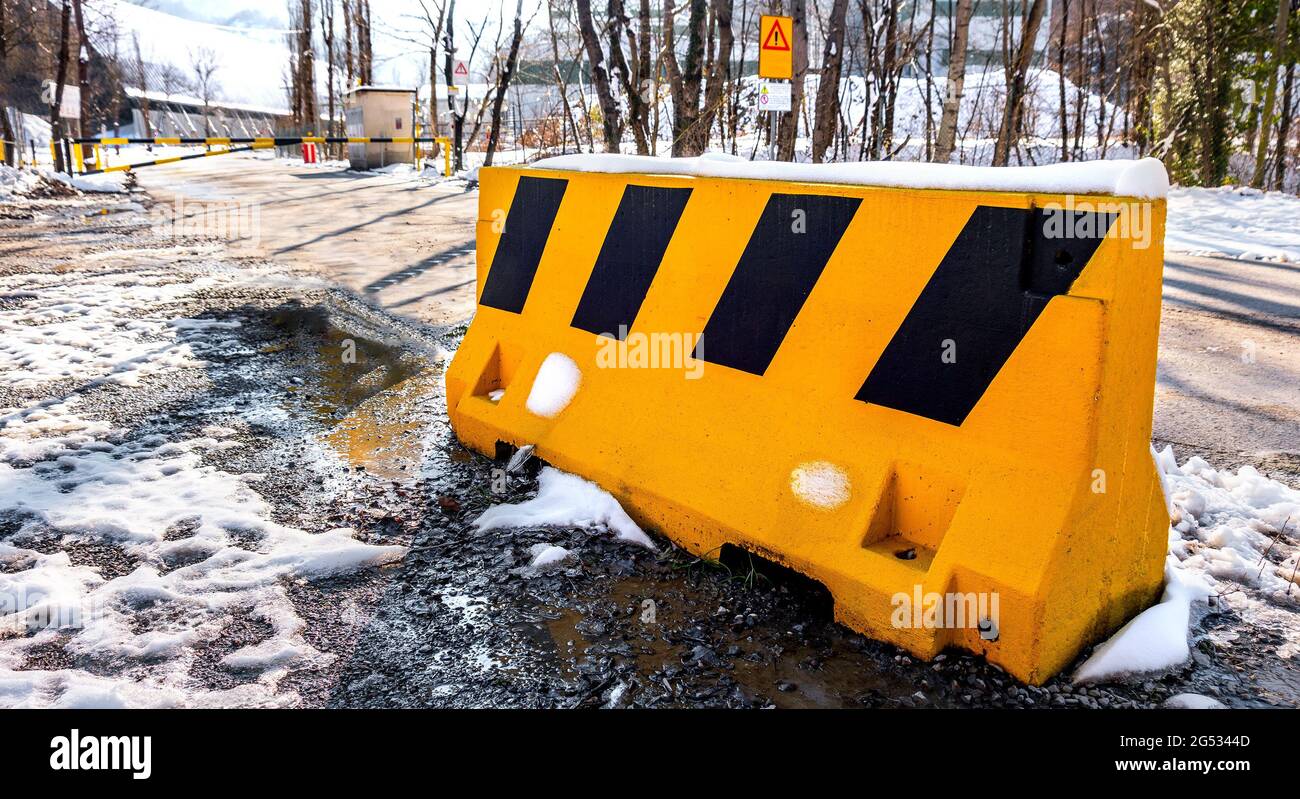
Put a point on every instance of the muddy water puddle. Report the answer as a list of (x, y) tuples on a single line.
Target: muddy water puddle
[(369, 396), (678, 637)]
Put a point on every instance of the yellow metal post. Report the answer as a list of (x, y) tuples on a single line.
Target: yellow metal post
[(446, 155)]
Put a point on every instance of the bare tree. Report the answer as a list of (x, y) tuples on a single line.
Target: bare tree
[(945, 140), (204, 63), (83, 82), (826, 116), (56, 123), (1280, 29), (506, 74), (142, 78), (685, 80), (327, 36), (789, 126), (609, 109), (1009, 130)]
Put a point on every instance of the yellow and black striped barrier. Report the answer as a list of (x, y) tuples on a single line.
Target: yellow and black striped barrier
[(923, 399)]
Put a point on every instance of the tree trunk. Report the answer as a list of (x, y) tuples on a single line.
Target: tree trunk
[(327, 34), (561, 81), (56, 125), (457, 117), (1009, 131), (348, 58), (617, 23), (719, 70), (503, 83), (947, 138), (1284, 128), (687, 81), (608, 105), (1276, 62), (788, 132), (1060, 79), (143, 80), (83, 53), (827, 114)]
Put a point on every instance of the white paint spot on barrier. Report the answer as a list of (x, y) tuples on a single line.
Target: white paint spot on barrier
[(821, 484), (556, 384)]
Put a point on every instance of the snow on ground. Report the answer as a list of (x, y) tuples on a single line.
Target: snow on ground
[(204, 540), (16, 184), (1238, 222), (1233, 540), (566, 500)]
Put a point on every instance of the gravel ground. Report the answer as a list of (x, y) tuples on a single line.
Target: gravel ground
[(462, 621)]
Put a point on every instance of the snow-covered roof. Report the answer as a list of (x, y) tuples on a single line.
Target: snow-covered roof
[(1145, 178), (197, 102)]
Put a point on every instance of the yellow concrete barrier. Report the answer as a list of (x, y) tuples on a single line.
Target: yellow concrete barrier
[(931, 401)]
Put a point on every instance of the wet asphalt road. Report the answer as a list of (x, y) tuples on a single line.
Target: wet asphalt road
[(461, 622)]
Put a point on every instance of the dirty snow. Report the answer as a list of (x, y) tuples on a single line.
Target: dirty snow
[(16, 182), (1144, 178), (1233, 539), (556, 383), (566, 500), (1240, 223), (201, 540)]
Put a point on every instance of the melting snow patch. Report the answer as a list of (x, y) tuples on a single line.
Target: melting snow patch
[(1233, 538), (566, 500), (821, 484), (201, 543), (557, 381), (1155, 640), (1193, 702), (546, 555)]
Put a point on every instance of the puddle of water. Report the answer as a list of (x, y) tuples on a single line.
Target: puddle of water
[(367, 394), (759, 664)]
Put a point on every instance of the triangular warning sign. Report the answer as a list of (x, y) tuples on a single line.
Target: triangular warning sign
[(776, 39), (461, 70)]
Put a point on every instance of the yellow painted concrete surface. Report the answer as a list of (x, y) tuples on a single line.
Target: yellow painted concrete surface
[(1005, 503)]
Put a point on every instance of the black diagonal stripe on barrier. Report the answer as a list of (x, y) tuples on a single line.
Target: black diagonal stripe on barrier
[(783, 260), (527, 227), (989, 289), (629, 258)]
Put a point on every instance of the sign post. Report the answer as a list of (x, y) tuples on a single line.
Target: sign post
[(775, 62)]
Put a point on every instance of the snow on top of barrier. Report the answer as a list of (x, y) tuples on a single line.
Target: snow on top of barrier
[(1145, 178)]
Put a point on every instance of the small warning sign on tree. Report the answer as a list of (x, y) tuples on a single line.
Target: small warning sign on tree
[(775, 55)]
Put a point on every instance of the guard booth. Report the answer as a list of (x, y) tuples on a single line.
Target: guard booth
[(380, 112)]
